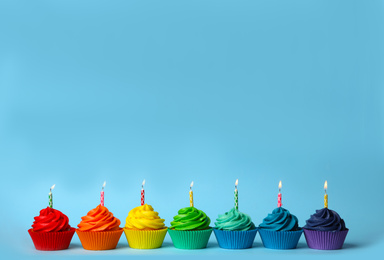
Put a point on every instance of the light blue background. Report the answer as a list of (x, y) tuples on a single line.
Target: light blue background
[(209, 91)]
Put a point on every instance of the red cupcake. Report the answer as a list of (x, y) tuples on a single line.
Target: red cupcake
[(51, 230)]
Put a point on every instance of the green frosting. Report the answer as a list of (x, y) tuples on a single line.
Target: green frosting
[(190, 218), (234, 220)]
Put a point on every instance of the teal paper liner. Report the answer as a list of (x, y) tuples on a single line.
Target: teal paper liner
[(190, 239), (325, 240), (235, 239), (280, 239)]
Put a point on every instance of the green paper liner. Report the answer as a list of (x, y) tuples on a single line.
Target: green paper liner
[(190, 239)]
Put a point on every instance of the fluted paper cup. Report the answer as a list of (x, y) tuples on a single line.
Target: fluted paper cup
[(235, 239), (99, 240), (190, 239), (280, 239), (325, 240), (145, 239), (50, 241)]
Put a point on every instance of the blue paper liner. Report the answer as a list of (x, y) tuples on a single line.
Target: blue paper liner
[(325, 240), (235, 239), (280, 239)]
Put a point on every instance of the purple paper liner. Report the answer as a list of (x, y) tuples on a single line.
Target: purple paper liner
[(235, 239), (325, 240), (280, 239)]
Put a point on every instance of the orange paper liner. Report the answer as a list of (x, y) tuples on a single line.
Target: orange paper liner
[(102, 240)]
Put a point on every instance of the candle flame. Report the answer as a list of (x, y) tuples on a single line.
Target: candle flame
[(280, 185), (102, 188), (237, 182), (325, 185), (190, 186), (53, 186), (142, 184)]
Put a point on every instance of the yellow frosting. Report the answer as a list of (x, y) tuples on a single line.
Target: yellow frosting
[(144, 218)]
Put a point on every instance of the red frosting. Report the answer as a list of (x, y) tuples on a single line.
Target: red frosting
[(50, 220)]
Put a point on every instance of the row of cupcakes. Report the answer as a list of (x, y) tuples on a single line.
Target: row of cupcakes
[(190, 229)]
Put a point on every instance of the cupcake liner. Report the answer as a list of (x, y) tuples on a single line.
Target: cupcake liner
[(49, 241), (145, 239), (325, 240), (102, 240), (235, 239), (190, 239), (280, 239)]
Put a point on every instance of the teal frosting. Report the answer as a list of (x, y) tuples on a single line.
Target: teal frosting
[(234, 220), (280, 220)]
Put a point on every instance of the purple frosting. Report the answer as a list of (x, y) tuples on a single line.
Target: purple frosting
[(325, 220)]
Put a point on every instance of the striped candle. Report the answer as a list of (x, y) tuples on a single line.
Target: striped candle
[(102, 194), (236, 195), (142, 199), (50, 196), (279, 202)]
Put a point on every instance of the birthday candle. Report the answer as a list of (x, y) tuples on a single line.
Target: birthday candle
[(191, 195), (102, 194), (50, 196), (279, 202), (142, 193), (236, 195), (325, 195)]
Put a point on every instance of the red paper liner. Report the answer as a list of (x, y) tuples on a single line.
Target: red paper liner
[(50, 241), (101, 240)]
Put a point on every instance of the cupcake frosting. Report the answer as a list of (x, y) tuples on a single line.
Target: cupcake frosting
[(280, 220), (99, 219), (50, 220), (144, 218), (234, 220), (190, 218), (325, 220)]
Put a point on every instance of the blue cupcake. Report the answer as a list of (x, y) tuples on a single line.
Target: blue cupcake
[(235, 230), (280, 230)]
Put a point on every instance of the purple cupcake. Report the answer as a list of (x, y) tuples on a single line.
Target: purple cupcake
[(325, 230)]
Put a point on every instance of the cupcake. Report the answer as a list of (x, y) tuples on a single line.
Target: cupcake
[(190, 229), (144, 228), (234, 230), (325, 230), (51, 231), (280, 230), (99, 229)]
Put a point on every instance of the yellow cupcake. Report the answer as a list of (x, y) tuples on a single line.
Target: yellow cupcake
[(144, 228)]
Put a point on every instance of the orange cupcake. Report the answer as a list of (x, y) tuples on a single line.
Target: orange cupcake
[(99, 229)]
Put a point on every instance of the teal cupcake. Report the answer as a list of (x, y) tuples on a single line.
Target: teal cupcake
[(190, 229), (280, 230), (235, 230)]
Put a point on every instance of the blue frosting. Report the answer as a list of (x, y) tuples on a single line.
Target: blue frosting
[(325, 220), (280, 220)]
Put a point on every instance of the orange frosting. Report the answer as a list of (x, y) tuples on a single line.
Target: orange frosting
[(99, 219)]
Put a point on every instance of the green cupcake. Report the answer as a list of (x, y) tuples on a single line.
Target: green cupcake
[(190, 229)]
